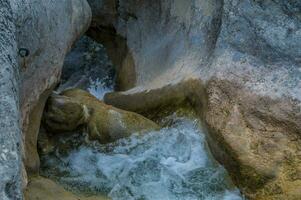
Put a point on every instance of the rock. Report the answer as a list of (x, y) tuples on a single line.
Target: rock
[(64, 114), (40, 188), (259, 138), (169, 95), (47, 29), (10, 130), (105, 123)]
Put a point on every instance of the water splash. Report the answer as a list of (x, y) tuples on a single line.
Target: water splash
[(171, 164), (99, 87)]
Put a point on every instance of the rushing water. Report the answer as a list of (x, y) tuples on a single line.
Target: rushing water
[(170, 164), (100, 87)]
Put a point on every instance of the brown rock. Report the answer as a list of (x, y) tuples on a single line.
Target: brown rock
[(105, 123)]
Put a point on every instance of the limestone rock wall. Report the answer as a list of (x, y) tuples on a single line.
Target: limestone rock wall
[(10, 133), (253, 42), (47, 29)]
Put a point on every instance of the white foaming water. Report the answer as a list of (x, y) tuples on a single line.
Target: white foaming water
[(98, 88), (170, 164)]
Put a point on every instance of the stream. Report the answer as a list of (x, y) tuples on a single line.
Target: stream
[(173, 163)]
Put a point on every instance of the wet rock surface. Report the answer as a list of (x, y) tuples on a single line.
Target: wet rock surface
[(40, 188), (74, 107), (245, 56), (259, 136)]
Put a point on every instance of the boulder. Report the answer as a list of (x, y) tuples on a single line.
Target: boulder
[(64, 114), (74, 107), (257, 138)]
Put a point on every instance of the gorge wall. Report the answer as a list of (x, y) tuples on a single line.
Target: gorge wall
[(237, 62), (10, 137), (47, 29)]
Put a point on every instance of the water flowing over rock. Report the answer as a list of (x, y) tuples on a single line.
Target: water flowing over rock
[(248, 49), (172, 163), (87, 67)]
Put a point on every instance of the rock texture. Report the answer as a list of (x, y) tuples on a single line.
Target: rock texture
[(210, 38), (75, 107), (10, 132), (40, 188), (47, 29), (259, 138), (245, 55)]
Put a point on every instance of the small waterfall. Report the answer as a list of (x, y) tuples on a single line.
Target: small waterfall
[(99, 87)]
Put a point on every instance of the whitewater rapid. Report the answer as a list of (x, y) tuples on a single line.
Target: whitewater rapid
[(171, 164)]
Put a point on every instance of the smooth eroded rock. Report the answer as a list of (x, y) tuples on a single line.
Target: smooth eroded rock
[(74, 107), (47, 29)]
